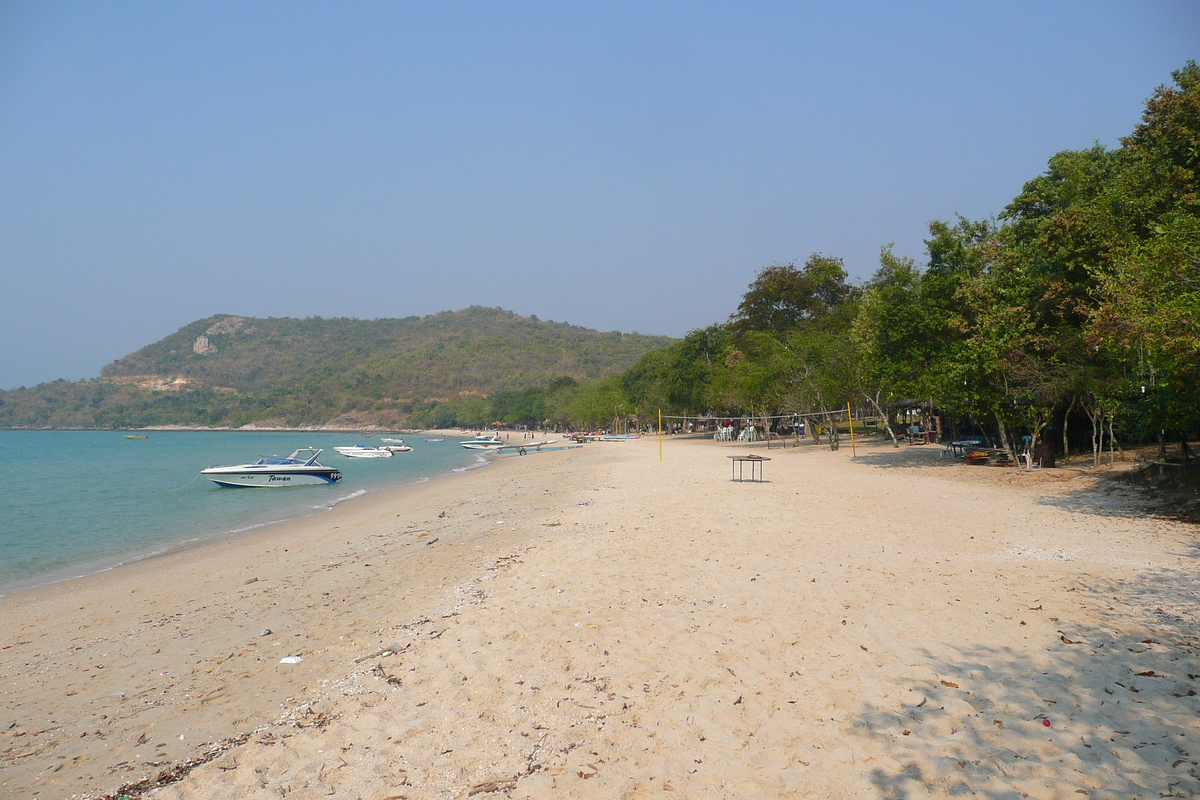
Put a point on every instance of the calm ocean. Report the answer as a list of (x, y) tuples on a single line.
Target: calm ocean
[(78, 502)]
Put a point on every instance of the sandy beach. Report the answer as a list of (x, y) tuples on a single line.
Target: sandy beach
[(598, 623)]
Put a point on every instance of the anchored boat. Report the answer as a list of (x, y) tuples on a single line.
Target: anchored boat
[(362, 451), (298, 469)]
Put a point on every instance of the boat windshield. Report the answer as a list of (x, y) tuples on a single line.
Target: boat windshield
[(306, 456), (275, 461)]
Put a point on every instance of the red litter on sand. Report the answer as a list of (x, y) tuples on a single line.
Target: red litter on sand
[(1046, 722)]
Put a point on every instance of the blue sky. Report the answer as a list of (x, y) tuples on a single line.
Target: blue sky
[(618, 166)]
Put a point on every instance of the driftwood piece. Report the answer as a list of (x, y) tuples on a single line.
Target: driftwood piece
[(392, 648), (493, 786)]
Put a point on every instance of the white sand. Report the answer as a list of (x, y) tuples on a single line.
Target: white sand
[(597, 623)]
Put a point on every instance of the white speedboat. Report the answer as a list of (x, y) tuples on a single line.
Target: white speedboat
[(396, 448), (362, 451), (391, 441), (298, 469), (490, 441)]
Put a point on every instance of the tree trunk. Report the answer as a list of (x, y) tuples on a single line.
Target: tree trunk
[(1039, 425), (1066, 424), (883, 418), (1004, 438), (1095, 412), (834, 440)]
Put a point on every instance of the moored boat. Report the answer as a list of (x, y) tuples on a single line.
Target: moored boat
[(362, 451), (298, 469)]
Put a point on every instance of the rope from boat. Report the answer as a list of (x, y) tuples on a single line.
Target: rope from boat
[(189, 483)]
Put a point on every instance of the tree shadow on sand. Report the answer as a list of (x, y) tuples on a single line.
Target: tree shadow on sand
[(908, 457), (1108, 497), (1109, 709), (1111, 496)]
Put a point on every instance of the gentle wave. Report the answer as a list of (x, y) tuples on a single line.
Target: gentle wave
[(480, 461), (247, 528), (342, 499)]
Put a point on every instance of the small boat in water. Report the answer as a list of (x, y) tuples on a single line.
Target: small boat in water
[(298, 469), (392, 441), (362, 451), (434, 440), (137, 437), (397, 448)]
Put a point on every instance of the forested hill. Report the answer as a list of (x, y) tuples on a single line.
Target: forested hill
[(230, 370), (473, 350)]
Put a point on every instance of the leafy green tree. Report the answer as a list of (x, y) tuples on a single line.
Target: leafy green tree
[(594, 404), (782, 297), (1148, 313), (895, 335)]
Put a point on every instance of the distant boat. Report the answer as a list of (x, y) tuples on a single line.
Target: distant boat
[(137, 437), (393, 441), (397, 448), (299, 468), (362, 451), (430, 440)]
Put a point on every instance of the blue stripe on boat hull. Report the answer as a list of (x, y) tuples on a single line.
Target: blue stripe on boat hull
[(265, 481)]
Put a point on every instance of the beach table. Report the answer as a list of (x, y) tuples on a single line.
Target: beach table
[(737, 462), (959, 447)]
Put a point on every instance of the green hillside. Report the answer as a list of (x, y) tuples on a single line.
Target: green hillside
[(232, 371)]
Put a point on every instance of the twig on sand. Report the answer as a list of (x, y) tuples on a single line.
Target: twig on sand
[(493, 786), (504, 784), (392, 648)]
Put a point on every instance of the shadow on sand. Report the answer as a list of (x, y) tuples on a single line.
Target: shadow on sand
[(1113, 495), (909, 456), (1110, 709)]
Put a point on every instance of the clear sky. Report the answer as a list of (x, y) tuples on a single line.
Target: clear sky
[(621, 166)]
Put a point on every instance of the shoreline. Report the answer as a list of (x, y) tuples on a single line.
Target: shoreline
[(183, 543), (127, 603), (598, 623)]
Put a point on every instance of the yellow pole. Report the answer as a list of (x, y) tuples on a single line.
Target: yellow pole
[(660, 434), (849, 416)]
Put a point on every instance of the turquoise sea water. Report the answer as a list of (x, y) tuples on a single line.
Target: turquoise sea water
[(77, 502)]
